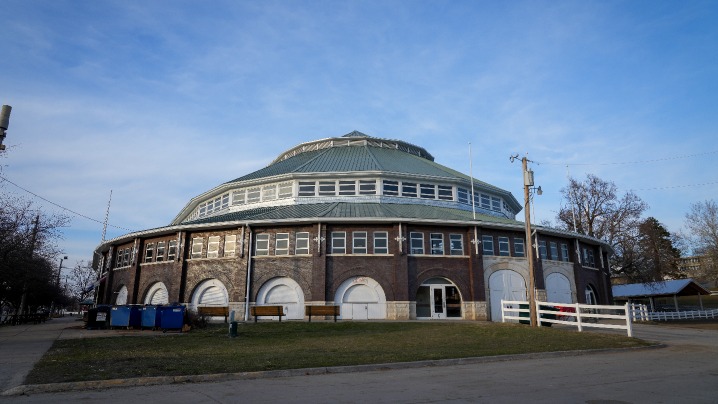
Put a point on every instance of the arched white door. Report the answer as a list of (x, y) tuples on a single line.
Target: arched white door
[(361, 298), (210, 293), (506, 285), (558, 289), (157, 294), (283, 292)]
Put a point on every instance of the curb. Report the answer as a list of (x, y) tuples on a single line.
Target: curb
[(273, 374)]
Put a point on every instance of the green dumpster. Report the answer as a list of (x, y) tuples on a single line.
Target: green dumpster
[(525, 314)]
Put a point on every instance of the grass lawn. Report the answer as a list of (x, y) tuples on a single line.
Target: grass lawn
[(292, 345)]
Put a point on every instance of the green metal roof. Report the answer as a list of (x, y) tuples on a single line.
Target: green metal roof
[(282, 167), (352, 210), (354, 153), (358, 159)]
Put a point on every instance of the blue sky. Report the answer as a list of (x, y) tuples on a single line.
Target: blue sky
[(160, 101)]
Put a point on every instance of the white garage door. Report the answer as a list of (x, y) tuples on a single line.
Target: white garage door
[(210, 293), (283, 292), (121, 296), (157, 294), (558, 289), (506, 285), (361, 298)]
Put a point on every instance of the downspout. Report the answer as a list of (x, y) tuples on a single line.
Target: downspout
[(605, 278), (241, 245), (476, 241), (578, 253), (318, 239), (471, 269), (249, 275)]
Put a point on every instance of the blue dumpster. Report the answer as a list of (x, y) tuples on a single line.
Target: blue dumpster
[(126, 316), (151, 317), (172, 318)]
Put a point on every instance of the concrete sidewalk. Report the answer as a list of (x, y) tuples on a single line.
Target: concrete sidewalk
[(21, 346)]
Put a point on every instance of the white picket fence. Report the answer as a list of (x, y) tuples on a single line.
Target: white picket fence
[(575, 314), (640, 312)]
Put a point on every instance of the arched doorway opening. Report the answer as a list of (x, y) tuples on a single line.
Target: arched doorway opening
[(591, 295), (121, 298), (283, 292), (438, 298), (361, 298), (507, 285), (157, 294)]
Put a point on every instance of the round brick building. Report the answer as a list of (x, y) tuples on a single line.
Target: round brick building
[(372, 225)]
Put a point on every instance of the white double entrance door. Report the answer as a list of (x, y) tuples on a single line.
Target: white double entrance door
[(438, 301)]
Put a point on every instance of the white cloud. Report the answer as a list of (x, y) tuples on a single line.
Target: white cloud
[(163, 101)]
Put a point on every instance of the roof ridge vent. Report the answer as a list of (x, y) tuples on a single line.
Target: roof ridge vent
[(356, 134)]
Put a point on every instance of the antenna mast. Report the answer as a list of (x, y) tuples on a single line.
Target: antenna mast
[(570, 193), (471, 175), (107, 215)]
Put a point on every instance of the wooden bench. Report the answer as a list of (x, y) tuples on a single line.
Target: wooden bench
[(321, 311), (267, 311), (218, 311)]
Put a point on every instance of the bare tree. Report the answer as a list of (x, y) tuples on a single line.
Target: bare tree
[(702, 225), (82, 279), (596, 210), (27, 253)]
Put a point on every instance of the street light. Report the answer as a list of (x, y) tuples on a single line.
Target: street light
[(528, 190), (4, 123), (59, 270)]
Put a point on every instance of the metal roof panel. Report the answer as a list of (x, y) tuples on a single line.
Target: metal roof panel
[(664, 288)]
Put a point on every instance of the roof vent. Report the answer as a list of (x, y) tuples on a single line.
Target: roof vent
[(356, 134)]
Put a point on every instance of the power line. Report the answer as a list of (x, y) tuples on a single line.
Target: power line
[(631, 162), (60, 206), (675, 186)]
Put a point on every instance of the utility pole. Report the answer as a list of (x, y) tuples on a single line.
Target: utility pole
[(57, 284), (528, 187), (528, 182)]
